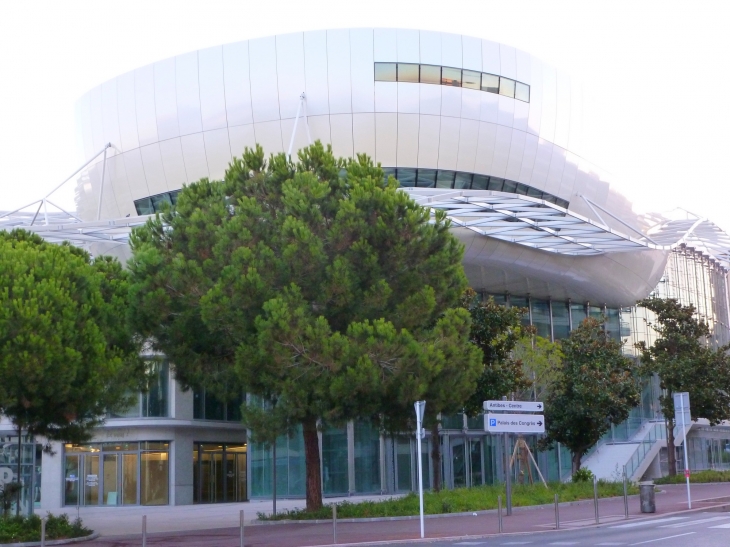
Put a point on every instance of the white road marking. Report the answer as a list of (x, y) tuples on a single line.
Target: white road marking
[(516, 543), (645, 522), (693, 522), (564, 543), (721, 526), (610, 543), (471, 543), (662, 539)]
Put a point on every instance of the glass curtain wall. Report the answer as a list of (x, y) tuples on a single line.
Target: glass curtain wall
[(367, 457), (290, 467), (30, 470), (153, 403)]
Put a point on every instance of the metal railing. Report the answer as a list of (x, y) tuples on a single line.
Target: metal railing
[(654, 434)]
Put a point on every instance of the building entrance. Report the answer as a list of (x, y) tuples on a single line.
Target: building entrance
[(219, 473)]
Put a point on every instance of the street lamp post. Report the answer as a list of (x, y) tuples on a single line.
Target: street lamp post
[(420, 407)]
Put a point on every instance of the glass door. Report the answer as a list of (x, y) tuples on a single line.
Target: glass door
[(129, 479), (458, 461), (476, 474), (111, 480), (71, 475), (91, 479)]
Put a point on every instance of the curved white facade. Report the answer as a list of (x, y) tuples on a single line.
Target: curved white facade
[(183, 118)]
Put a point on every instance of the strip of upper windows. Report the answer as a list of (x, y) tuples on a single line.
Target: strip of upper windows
[(454, 77)]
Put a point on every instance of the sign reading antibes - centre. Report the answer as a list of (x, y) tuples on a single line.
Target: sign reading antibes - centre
[(506, 422)]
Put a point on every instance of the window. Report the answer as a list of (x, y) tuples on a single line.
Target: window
[(385, 72), (506, 87), (463, 180), (445, 179), (154, 402), (407, 177), (430, 74), (480, 182), (522, 92), (490, 83), (426, 178), (407, 73), (471, 79), (207, 407), (451, 76), (155, 204)]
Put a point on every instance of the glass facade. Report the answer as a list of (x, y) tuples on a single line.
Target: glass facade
[(30, 470), (124, 473), (155, 401), (207, 407), (453, 77), (219, 473)]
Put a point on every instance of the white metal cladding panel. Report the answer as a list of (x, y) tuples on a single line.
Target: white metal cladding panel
[(562, 117), (407, 155), (471, 103), (135, 174), (490, 57), (576, 118), (319, 128), (166, 99), (536, 84), (237, 84), (523, 67), (97, 125), (341, 135), (264, 86), (528, 158), (489, 108), (196, 164), (506, 115), (385, 45), (217, 152), (450, 101), (451, 54), (315, 73), (268, 135), (300, 137), (542, 164), (127, 112), (386, 137), (549, 103), (338, 71), (570, 172), (449, 143), (173, 163), (188, 93), (386, 96), (363, 133), (429, 129), (212, 93), (468, 139), (83, 118), (430, 99), (430, 47), (408, 45), (501, 150), (153, 169), (471, 53), (408, 97), (555, 171), (507, 61), (144, 98), (362, 71), (240, 137), (110, 114), (290, 72), (117, 173), (522, 111), (485, 148), (516, 155)]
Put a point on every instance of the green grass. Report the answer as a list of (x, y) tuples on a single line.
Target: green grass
[(19, 529), (699, 476), (460, 500)]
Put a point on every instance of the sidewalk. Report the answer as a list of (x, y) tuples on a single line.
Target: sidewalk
[(528, 519)]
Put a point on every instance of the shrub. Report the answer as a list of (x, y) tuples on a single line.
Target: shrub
[(20, 529), (583, 475)]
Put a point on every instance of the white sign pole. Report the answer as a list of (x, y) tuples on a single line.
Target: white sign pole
[(686, 461), (420, 407)]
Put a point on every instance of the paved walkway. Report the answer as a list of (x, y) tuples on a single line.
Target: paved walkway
[(529, 519)]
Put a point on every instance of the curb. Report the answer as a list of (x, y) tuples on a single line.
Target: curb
[(49, 543)]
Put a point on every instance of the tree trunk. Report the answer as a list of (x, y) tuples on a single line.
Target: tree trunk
[(436, 457), (312, 464), (20, 459), (575, 458), (671, 452)]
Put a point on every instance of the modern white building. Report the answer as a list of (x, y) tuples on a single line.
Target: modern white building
[(485, 131)]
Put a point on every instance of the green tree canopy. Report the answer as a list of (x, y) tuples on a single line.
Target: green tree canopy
[(684, 360), (594, 387), (316, 284)]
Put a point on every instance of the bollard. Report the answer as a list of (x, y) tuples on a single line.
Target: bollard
[(43, 532), (499, 513), (334, 523), (240, 518), (557, 513), (144, 531), (646, 497), (626, 498), (595, 498)]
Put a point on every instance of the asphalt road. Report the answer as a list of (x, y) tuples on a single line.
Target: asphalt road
[(709, 529)]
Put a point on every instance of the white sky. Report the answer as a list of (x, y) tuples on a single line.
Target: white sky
[(655, 75)]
